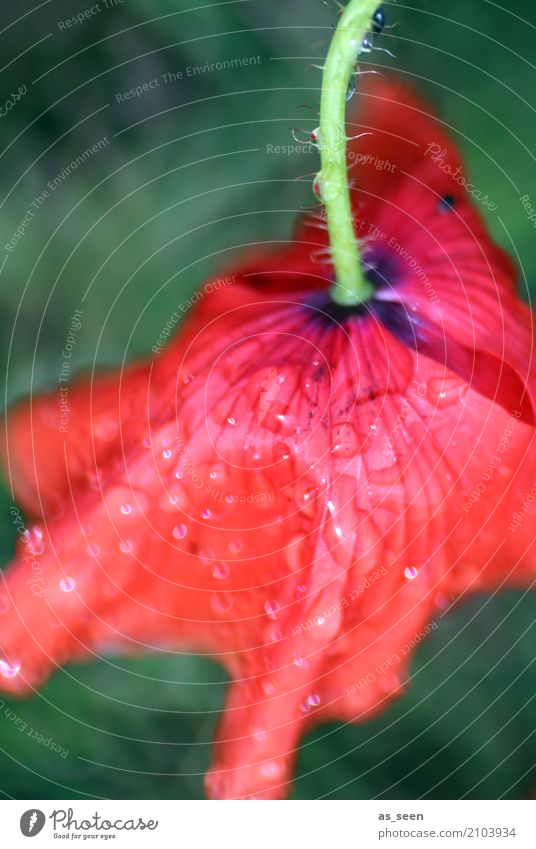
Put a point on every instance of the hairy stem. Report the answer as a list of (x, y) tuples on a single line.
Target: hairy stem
[(351, 286)]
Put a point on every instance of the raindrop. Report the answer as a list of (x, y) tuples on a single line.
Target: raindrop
[(9, 670), (206, 513), (167, 453), (33, 538), (272, 609), (444, 391), (231, 420), (272, 769), (126, 509), (180, 531), (236, 546), (411, 572), (345, 441), (268, 688), (67, 584), (221, 571)]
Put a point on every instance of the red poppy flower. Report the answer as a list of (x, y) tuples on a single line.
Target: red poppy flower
[(293, 486)]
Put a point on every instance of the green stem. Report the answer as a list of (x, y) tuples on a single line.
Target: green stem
[(351, 286)]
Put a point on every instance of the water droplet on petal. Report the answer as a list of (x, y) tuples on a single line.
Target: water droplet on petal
[(67, 584), (206, 513), (272, 769), (33, 538), (167, 453), (411, 572), (9, 670), (345, 440), (126, 546), (236, 546), (445, 391), (272, 609), (126, 509), (180, 531), (221, 571), (93, 550), (268, 688)]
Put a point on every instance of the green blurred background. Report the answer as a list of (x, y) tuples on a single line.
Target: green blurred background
[(183, 180)]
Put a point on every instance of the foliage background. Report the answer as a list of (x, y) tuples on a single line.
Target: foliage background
[(185, 180)]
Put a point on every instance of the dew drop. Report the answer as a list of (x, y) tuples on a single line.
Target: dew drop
[(9, 670), (345, 441), (67, 584), (236, 546), (272, 769), (126, 546), (282, 450), (206, 513), (272, 609), (180, 531), (411, 572), (445, 391), (231, 420), (167, 453), (33, 539), (221, 571), (268, 688), (93, 550), (126, 509)]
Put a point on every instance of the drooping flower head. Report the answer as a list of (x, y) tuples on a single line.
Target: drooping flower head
[(294, 486)]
